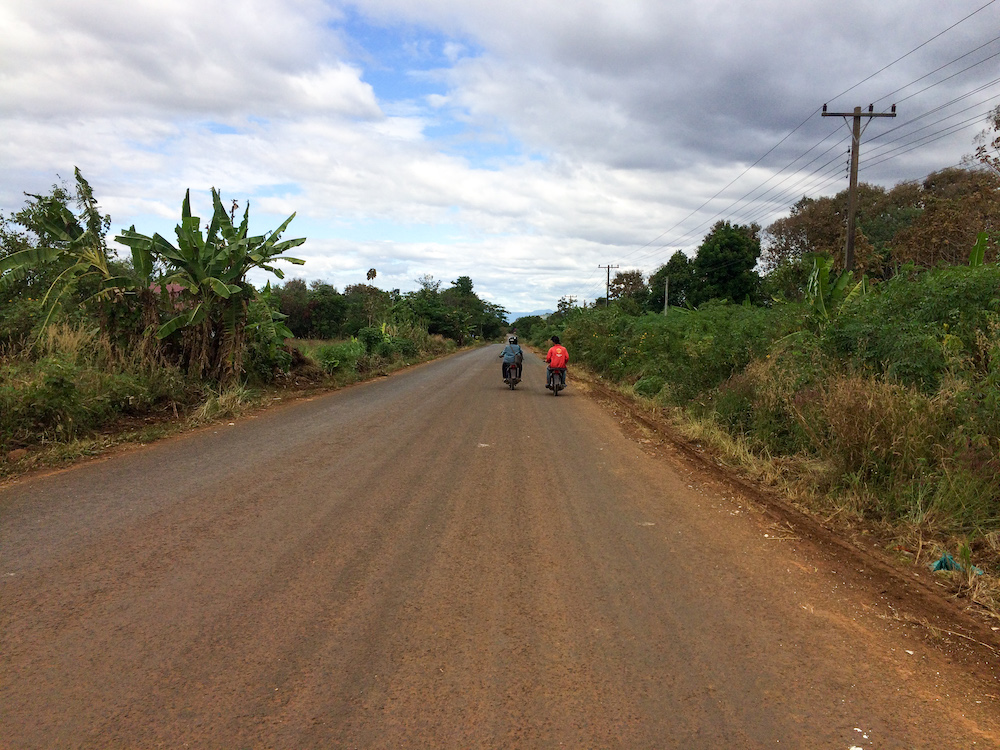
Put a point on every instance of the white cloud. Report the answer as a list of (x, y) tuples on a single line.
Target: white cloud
[(554, 137)]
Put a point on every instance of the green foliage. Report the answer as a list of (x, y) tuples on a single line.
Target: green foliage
[(19, 321), (826, 294), (72, 247), (690, 351), (76, 385), (526, 324), (342, 356), (266, 353), (650, 385), (897, 397), (914, 326), (293, 302), (457, 312), (724, 265), (924, 224), (680, 270), (406, 347), (787, 281), (326, 310), (208, 321), (372, 338), (977, 256), (629, 285)]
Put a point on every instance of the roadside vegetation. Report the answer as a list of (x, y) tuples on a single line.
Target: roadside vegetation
[(873, 398), (96, 347)]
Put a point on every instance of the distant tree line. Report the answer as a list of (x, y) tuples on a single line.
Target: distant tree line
[(918, 225), (316, 310)]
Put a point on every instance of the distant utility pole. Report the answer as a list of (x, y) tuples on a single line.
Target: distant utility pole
[(852, 193), (607, 289), (666, 296)]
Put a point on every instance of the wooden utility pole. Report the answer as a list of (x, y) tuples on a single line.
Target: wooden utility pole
[(852, 193), (607, 289), (666, 296)]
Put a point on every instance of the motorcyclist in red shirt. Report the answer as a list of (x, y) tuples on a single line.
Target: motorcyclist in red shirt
[(557, 359)]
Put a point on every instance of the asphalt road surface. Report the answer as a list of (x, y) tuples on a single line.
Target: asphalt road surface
[(431, 560)]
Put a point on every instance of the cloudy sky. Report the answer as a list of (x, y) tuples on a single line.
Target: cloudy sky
[(522, 143)]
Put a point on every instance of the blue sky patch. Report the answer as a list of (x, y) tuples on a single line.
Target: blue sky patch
[(399, 60)]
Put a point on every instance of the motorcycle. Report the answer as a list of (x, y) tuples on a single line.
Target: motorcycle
[(513, 378), (558, 380)]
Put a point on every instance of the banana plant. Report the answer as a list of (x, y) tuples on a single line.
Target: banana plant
[(977, 256), (211, 268), (826, 294), (77, 241)]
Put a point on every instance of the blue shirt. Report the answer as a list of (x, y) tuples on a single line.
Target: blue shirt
[(509, 352)]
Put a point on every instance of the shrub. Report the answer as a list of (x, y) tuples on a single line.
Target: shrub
[(18, 319), (908, 328), (691, 351), (649, 386), (342, 356), (407, 347), (386, 349), (371, 337)]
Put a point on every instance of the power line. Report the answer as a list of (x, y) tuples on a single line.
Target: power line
[(821, 177), (888, 97), (919, 46)]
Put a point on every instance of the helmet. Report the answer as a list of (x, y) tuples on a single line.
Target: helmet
[(512, 340)]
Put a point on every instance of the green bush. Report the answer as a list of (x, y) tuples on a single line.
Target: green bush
[(65, 394), (342, 356), (386, 349), (649, 385), (371, 338), (18, 319), (407, 347), (265, 353), (914, 324), (692, 351)]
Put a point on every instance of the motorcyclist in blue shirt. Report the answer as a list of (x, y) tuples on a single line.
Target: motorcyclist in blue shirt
[(512, 357)]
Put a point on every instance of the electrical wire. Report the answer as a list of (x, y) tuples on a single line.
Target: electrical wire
[(824, 178)]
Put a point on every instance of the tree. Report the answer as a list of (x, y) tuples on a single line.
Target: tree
[(526, 324), (293, 301), (327, 310), (724, 265), (69, 251), (365, 306), (817, 226), (679, 270), (789, 280), (955, 206), (462, 286), (812, 226), (628, 284)]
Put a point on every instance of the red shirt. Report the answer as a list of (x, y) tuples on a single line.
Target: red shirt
[(558, 356)]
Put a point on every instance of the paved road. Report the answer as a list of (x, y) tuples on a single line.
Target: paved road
[(431, 560)]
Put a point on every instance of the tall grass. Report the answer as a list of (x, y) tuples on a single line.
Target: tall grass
[(73, 382)]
